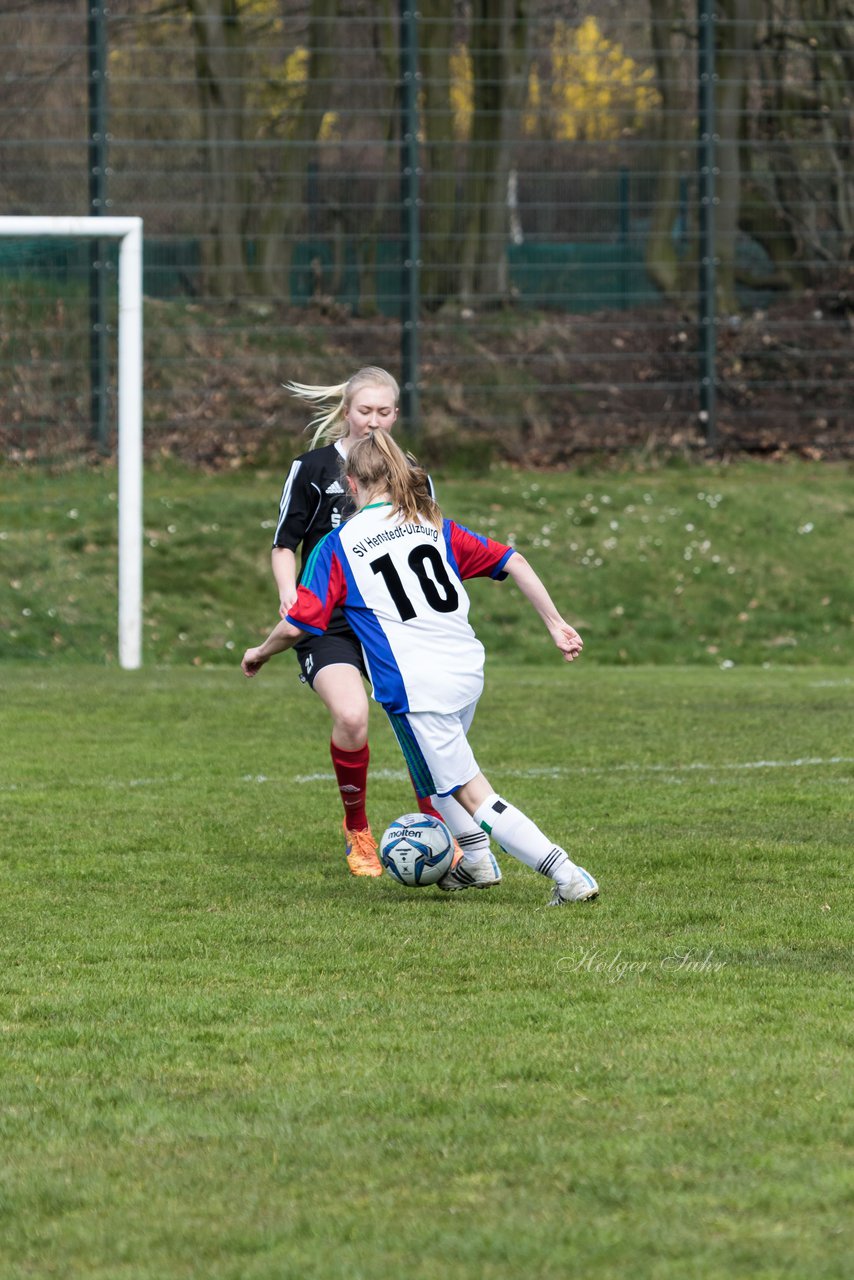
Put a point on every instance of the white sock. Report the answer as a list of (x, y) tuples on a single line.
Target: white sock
[(522, 838), (471, 838)]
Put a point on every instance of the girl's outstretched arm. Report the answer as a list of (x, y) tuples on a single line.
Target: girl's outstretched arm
[(283, 636), (565, 637)]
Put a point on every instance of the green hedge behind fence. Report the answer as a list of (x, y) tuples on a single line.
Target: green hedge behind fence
[(568, 277)]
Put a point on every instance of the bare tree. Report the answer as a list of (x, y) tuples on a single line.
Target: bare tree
[(436, 46), (220, 71), (283, 197), (499, 63), (371, 225), (668, 44), (734, 65), (799, 198)]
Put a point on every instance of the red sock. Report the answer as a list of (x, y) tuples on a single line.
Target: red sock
[(426, 807), (351, 770)]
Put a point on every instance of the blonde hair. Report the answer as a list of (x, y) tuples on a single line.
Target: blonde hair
[(378, 464), (332, 426)]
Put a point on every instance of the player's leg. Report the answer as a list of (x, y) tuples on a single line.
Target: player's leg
[(437, 755), (335, 674), (427, 804), (434, 808), (515, 832), (342, 692), (470, 840)]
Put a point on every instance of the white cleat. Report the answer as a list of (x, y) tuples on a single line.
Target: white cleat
[(581, 888), (480, 876)]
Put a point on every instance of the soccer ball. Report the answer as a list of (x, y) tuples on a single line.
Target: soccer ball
[(417, 849)]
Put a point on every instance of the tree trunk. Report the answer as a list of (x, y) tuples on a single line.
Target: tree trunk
[(440, 243), (662, 261), (802, 188), (220, 74), (736, 34), (284, 216), (499, 64), (370, 229), (835, 72)]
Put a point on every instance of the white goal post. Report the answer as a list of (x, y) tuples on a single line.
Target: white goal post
[(128, 232)]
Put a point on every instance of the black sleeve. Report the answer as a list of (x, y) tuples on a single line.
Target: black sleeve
[(297, 507)]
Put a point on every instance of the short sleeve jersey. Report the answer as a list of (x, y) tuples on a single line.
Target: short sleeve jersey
[(314, 500), (400, 585)]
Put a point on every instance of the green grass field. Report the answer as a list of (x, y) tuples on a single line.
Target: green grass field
[(222, 1057), (681, 565)]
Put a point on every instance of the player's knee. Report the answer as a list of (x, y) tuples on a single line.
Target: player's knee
[(351, 722)]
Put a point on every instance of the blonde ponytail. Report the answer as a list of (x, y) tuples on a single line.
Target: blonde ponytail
[(331, 426), (378, 464)]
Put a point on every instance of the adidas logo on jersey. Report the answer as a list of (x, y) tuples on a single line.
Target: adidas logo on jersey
[(335, 487)]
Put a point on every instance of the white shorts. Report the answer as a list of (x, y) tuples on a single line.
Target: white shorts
[(436, 749)]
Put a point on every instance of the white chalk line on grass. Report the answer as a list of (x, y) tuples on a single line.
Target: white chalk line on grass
[(103, 784), (557, 771), (399, 775)]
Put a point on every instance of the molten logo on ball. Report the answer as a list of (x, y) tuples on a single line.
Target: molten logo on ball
[(417, 849)]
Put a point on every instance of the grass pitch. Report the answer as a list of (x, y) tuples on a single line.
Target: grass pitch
[(740, 564), (221, 1056)]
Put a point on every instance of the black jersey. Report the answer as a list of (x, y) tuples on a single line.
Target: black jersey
[(315, 500)]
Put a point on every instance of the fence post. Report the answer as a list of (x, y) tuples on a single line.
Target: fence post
[(707, 79), (625, 234), (98, 263), (410, 204)]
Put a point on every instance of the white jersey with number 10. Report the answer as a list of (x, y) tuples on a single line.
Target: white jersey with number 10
[(400, 584)]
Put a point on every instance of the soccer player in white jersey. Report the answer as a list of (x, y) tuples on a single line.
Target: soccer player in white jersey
[(397, 568), (314, 501)]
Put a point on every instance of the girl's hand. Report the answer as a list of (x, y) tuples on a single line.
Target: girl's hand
[(252, 661), (567, 640)]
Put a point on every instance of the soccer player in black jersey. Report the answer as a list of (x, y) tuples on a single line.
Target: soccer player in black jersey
[(314, 501), (425, 656)]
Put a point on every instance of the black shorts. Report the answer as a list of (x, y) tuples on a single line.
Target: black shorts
[(327, 650)]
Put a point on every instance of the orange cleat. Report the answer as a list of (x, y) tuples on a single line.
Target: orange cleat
[(361, 852)]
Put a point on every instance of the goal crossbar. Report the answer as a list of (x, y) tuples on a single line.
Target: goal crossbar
[(128, 232)]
